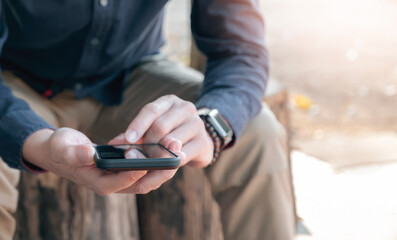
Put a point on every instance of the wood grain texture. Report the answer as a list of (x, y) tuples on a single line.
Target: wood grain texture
[(50, 207), (183, 208)]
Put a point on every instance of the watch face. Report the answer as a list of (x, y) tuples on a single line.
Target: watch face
[(222, 128), (219, 124), (222, 123)]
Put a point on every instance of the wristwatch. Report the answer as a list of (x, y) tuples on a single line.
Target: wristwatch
[(218, 129)]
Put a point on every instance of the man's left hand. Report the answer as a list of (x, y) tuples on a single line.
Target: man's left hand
[(174, 123)]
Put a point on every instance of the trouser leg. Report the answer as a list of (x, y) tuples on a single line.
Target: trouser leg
[(8, 200), (63, 110), (251, 183), (250, 180), (9, 178)]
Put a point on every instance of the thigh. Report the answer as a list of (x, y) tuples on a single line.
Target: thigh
[(261, 150), (252, 185), (9, 177), (153, 78), (64, 110), (8, 199), (39, 104)]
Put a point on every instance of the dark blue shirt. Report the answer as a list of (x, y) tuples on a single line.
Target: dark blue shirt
[(90, 45)]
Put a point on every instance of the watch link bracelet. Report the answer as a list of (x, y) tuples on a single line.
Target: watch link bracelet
[(218, 129)]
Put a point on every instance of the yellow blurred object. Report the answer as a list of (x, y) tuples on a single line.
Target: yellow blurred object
[(303, 102)]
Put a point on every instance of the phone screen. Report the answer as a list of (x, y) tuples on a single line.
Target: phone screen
[(140, 151)]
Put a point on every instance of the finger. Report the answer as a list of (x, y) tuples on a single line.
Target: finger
[(107, 183), (119, 139), (118, 181), (79, 155), (177, 115), (151, 181), (185, 132), (196, 155), (148, 114), (175, 145), (190, 149), (182, 156), (133, 153)]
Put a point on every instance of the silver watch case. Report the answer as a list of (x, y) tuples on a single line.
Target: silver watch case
[(213, 117)]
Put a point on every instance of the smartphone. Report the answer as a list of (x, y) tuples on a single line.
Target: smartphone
[(147, 156)]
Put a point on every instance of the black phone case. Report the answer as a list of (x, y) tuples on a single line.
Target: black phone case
[(137, 163)]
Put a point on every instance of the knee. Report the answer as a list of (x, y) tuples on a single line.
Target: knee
[(265, 129), (268, 138), (261, 150)]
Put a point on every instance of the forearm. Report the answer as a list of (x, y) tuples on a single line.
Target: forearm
[(17, 123), (17, 120), (235, 88), (231, 35)]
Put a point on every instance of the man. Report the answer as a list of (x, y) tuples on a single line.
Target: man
[(80, 72)]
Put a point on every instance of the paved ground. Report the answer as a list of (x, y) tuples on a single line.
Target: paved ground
[(358, 203), (341, 54)]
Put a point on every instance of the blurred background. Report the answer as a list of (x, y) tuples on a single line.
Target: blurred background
[(338, 60)]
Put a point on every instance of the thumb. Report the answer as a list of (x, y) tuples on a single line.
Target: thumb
[(86, 154), (79, 155)]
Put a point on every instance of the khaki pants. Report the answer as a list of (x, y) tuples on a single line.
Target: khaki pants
[(250, 181)]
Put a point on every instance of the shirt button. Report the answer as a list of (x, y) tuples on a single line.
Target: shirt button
[(104, 3), (95, 42), (78, 86)]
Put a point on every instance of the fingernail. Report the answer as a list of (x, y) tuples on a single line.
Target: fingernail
[(91, 154), (131, 136), (182, 155), (86, 156), (81, 154), (130, 155), (175, 145)]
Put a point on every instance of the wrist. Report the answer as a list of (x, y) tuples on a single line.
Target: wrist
[(35, 150), (216, 141), (218, 129), (214, 119)]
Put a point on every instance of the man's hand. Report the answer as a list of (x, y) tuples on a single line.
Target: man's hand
[(70, 154), (174, 123)]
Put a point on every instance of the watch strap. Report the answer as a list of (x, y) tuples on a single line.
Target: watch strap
[(216, 139), (213, 120)]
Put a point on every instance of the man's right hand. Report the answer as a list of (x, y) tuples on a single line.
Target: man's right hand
[(70, 154)]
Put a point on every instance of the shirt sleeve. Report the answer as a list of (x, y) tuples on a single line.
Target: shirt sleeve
[(17, 120), (231, 34)]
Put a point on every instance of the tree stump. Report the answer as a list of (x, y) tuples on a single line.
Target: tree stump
[(51, 207), (182, 208)]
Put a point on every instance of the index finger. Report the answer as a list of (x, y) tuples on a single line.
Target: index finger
[(151, 181), (145, 118), (106, 183)]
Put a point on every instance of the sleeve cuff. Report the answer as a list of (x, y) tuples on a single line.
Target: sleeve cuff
[(30, 168), (17, 127), (217, 102)]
